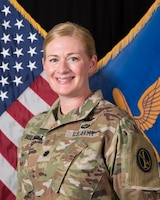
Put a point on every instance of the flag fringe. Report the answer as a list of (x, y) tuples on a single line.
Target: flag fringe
[(128, 38), (20, 9)]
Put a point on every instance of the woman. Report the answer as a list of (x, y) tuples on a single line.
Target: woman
[(84, 147)]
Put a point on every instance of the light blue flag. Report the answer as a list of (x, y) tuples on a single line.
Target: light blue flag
[(129, 75)]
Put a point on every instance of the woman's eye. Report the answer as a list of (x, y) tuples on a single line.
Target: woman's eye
[(73, 59), (54, 60)]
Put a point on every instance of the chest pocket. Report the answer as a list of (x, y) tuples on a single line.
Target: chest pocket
[(72, 167)]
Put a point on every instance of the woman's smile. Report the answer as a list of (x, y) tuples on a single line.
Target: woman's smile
[(65, 80)]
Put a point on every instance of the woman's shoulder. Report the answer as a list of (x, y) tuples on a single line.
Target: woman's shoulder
[(109, 108)]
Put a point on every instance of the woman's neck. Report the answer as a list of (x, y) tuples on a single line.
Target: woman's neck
[(69, 103)]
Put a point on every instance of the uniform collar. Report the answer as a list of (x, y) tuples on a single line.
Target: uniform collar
[(79, 113)]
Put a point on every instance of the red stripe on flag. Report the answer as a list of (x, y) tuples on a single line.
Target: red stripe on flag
[(8, 150), (5, 193), (42, 88), (19, 113)]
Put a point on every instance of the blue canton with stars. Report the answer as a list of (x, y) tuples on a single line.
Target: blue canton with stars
[(20, 54)]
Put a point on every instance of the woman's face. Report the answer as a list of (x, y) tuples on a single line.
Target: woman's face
[(67, 66)]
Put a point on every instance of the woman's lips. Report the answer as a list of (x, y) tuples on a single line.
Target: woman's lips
[(64, 80)]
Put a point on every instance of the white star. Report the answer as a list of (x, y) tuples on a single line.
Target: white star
[(32, 51), (19, 24), (32, 37), (17, 66), (5, 53), (18, 52), (31, 65), (6, 24), (5, 38), (3, 95), (4, 81), (18, 38), (6, 10), (4, 66), (17, 80)]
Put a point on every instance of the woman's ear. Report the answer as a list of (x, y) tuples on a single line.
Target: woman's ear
[(93, 64)]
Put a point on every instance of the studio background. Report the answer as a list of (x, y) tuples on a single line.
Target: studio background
[(108, 20)]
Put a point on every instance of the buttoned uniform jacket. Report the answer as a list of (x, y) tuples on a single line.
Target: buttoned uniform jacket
[(94, 152)]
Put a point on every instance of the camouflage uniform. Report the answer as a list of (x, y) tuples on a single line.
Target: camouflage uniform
[(94, 152)]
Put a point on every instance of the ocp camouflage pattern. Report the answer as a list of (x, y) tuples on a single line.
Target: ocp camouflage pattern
[(94, 152)]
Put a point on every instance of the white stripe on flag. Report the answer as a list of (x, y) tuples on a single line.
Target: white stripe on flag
[(8, 171), (43, 74), (33, 102), (11, 128)]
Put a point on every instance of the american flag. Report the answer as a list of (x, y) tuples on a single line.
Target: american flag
[(24, 90)]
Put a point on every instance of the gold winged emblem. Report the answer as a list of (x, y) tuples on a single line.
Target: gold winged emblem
[(148, 105)]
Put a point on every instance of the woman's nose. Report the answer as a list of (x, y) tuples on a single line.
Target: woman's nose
[(63, 67)]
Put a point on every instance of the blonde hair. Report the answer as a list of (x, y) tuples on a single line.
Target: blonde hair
[(72, 29)]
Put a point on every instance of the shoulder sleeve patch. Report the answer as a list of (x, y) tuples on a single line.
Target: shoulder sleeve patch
[(144, 160), (139, 165)]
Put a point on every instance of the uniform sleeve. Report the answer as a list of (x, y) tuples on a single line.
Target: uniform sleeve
[(133, 164), (24, 183)]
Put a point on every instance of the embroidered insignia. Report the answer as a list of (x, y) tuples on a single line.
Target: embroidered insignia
[(83, 126), (29, 137), (144, 160), (37, 139), (82, 133)]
